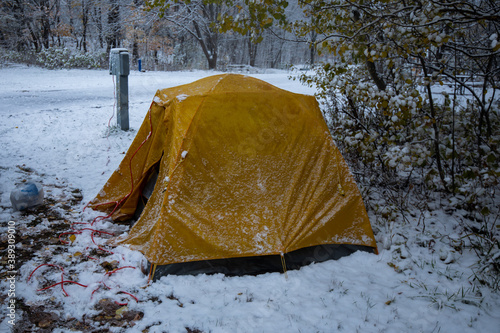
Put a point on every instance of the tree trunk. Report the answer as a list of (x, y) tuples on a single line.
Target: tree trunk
[(252, 52), (312, 48), (379, 82), (85, 19), (435, 126), (57, 23), (98, 23), (209, 48), (135, 49), (113, 35), (45, 22), (35, 39)]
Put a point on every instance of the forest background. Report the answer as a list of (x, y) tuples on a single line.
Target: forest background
[(177, 36)]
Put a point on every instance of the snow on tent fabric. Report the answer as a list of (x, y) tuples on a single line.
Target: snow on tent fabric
[(243, 170)]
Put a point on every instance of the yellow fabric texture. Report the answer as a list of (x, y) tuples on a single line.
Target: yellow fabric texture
[(245, 169)]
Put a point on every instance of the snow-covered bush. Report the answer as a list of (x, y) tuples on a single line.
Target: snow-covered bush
[(10, 56), (389, 140), (412, 100), (484, 239), (54, 58)]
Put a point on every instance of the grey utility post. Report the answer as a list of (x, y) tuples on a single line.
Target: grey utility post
[(119, 66)]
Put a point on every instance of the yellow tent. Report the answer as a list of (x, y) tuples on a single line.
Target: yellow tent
[(245, 169)]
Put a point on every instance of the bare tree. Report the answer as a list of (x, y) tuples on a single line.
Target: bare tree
[(113, 35), (200, 19)]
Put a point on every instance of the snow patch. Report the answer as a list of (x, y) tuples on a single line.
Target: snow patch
[(182, 97)]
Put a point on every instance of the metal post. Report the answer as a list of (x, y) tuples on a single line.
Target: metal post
[(122, 110), (119, 66)]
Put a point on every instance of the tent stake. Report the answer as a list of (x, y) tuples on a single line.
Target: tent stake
[(283, 263), (152, 270)]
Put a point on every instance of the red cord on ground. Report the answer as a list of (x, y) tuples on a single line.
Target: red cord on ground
[(99, 218), (124, 292), (106, 286), (118, 269), (61, 283), (94, 231), (51, 265), (55, 284)]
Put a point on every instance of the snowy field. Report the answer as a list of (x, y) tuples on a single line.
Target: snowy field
[(54, 129)]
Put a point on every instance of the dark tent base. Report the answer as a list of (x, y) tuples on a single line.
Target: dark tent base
[(261, 264)]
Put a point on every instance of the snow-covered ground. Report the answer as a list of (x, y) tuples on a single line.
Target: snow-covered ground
[(54, 129)]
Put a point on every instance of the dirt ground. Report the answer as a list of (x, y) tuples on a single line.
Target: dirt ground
[(35, 241)]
